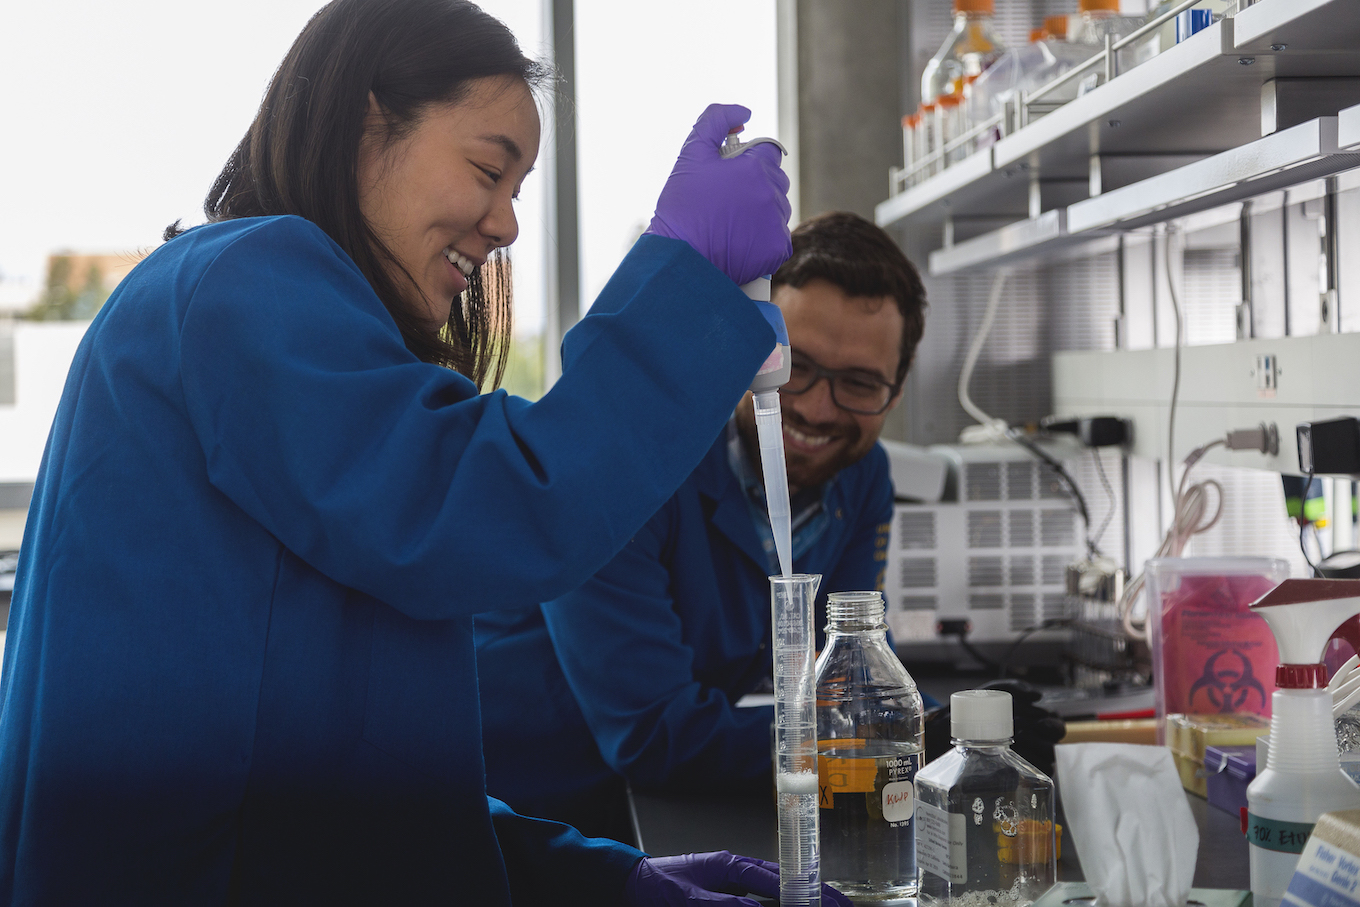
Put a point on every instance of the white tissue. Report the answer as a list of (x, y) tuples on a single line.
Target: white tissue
[(1135, 835)]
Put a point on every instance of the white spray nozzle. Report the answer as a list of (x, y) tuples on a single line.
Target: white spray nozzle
[(1303, 614)]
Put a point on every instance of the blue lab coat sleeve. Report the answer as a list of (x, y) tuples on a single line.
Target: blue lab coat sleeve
[(551, 863), (393, 478), (623, 650)]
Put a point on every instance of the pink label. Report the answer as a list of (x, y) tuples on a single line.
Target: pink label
[(774, 363)]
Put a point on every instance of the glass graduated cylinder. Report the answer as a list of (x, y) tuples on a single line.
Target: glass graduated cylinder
[(870, 733), (985, 833), (795, 731)]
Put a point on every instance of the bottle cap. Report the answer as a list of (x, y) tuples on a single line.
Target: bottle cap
[(949, 100), (974, 6), (1036, 35), (981, 715), (908, 120), (1056, 26), (1098, 6)]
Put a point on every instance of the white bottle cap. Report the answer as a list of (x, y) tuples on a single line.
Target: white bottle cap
[(981, 715)]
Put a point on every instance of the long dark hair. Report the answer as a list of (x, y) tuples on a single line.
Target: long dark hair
[(301, 154)]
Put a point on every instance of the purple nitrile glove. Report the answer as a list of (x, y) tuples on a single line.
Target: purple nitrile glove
[(708, 878), (734, 212)]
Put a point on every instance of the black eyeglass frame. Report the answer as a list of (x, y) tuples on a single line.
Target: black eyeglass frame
[(831, 374)]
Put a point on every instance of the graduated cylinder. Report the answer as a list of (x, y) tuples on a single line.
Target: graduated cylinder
[(795, 732)]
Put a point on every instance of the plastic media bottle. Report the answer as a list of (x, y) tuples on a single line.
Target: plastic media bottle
[(870, 728), (949, 126), (970, 48), (984, 816), (1098, 18)]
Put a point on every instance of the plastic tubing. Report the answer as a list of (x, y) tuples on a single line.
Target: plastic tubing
[(795, 738), (770, 431)]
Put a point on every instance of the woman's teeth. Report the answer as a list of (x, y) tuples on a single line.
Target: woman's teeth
[(809, 440), (458, 261)]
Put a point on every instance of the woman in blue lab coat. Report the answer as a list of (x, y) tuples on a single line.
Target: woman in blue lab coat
[(239, 665)]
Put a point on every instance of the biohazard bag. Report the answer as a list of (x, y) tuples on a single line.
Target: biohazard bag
[(1210, 654)]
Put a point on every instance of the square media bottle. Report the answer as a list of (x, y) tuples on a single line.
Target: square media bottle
[(984, 816)]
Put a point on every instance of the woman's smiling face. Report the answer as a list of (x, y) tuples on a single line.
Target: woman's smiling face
[(441, 196)]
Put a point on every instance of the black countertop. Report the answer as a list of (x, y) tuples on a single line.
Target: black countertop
[(746, 824)]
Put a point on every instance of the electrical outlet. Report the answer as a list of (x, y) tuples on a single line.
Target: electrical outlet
[(1267, 375)]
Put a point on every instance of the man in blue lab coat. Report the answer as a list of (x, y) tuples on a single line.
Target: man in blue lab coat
[(635, 676)]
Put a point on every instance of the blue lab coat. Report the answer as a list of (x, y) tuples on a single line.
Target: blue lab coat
[(240, 654), (638, 671)]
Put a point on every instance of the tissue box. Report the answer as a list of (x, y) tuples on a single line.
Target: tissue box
[(1079, 893), (1228, 770), (1190, 736), (1328, 873)]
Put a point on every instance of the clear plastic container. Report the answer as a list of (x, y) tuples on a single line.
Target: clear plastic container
[(909, 142), (949, 125), (1025, 69), (984, 816), (1098, 18), (870, 737), (970, 48), (1210, 653), (926, 144)]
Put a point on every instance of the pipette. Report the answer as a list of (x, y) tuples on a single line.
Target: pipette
[(765, 392)]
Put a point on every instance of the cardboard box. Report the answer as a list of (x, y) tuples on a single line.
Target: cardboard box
[(1328, 874)]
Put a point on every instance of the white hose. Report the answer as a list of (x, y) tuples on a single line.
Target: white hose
[(988, 429)]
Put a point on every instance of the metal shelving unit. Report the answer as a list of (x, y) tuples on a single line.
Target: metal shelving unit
[(1178, 134)]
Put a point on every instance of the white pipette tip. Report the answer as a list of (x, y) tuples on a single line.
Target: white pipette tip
[(770, 431)]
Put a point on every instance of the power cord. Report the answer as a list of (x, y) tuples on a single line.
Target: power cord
[(1190, 519), (1304, 523)]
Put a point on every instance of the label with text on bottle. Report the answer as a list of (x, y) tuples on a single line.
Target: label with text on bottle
[(941, 845)]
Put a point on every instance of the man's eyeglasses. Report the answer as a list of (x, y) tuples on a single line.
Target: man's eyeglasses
[(852, 390)]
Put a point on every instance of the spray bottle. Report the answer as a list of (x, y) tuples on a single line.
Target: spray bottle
[(765, 391), (1302, 777)]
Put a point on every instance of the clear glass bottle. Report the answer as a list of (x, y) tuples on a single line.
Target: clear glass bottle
[(870, 736), (970, 48), (984, 816)]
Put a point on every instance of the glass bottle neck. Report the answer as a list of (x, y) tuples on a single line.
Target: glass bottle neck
[(855, 615), (982, 746)]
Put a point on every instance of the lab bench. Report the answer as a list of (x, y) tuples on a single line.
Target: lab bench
[(746, 824)]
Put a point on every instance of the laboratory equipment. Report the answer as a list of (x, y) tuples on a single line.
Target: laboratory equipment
[(1211, 654), (984, 816), (870, 739), (970, 48), (772, 375), (1302, 777), (992, 555), (795, 738)]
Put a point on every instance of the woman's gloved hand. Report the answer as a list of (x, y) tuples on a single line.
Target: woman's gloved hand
[(708, 878), (734, 212)]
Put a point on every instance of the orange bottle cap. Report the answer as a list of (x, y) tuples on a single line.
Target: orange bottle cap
[(1036, 35), (1056, 26), (975, 6), (949, 100), (1098, 6)]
